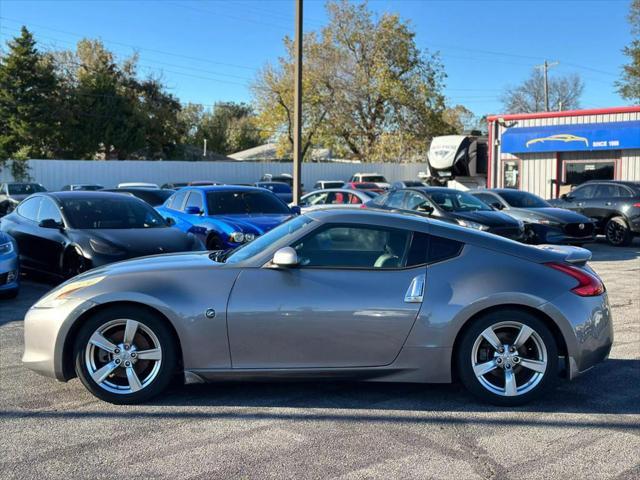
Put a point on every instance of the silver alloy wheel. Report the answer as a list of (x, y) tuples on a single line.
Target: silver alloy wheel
[(509, 358), (123, 356)]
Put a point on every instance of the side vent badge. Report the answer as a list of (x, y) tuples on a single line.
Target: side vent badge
[(210, 313)]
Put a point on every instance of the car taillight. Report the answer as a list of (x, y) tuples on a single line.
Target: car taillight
[(637, 204), (589, 285), (363, 206)]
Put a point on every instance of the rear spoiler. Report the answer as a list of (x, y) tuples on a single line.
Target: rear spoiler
[(569, 254)]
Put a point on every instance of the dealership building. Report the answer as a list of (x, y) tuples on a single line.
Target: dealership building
[(549, 153)]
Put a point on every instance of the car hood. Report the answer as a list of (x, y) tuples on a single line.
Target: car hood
[(489, 218), (251, 223), (144, 241), (559, 215)]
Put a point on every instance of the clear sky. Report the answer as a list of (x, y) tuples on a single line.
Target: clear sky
[(209, 51)]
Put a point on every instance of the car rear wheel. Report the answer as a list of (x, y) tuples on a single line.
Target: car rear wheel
[(507, 358), (125, 355), (618, 232)]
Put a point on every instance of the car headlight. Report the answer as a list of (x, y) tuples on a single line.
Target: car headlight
[(6, 248), (470, 224), (249, 237), (237, 237), (103, 248), (60, 295)]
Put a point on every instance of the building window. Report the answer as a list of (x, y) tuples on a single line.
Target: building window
[(576, 173), (510, 174)]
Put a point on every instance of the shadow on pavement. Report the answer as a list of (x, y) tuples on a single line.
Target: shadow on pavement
[(603, 252)]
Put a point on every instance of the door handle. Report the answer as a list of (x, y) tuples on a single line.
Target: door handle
[(608, 204), (415, 292), (580, 204)]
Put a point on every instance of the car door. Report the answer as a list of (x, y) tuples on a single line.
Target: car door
[(195, 200), (577, 199), (607, 201), (50, 242), (24, 229), (351, 302), (173, 209)]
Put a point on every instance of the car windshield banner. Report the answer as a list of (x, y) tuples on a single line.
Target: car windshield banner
[(569, 138)]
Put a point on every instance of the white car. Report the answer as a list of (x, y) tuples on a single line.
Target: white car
[(137, 185), (335, 197), (376, 178)]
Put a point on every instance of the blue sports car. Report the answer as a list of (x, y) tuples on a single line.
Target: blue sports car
[(225, 216), (9, 270)]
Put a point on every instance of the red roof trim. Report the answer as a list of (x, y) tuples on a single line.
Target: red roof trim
[(566, 113)]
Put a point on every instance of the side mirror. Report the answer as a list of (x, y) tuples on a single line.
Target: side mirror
[(296, 210), (285, 257), (49, 223), (170, 221), (497, 205), (428, 209), (193, 211)]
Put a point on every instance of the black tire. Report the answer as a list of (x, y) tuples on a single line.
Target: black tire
[(74, 264), (465, 353), (214, 243), (167, 365), (617, 232)]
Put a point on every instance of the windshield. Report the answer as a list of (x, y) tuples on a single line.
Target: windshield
[(276, 187), (451, 201), (110, 213), (243, 202), (374, 178), (25, 188), (251, 249), (523, 200)]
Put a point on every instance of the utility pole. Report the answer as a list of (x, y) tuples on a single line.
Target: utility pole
[(297, 107), (204, 150), (545, 68)]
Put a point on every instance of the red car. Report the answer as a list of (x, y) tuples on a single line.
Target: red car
[(365, 186)]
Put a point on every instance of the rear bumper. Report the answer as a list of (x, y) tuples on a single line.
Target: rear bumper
[(587, 327)]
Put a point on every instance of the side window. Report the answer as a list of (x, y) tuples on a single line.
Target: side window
[(315, 199), (29, 208), (442, 249), (195, 200), (622, 192), (354, 247), (486, 198), (49, 210), (177, 200), (606, 191), (395, 200), (353, 199), (584, 192), (414, 200), (337, 198)]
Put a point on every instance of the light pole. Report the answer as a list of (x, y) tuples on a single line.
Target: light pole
[(297, 107)]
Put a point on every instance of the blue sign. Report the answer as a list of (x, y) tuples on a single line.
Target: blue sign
[(570, 138)]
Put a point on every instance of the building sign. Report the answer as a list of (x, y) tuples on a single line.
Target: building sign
[(570, 138)]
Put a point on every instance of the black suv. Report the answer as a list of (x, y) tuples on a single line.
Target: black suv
[(613, 205)]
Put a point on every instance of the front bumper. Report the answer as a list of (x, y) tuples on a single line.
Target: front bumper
[(9, 272), (538, 233), (587, 327), (45, 332)]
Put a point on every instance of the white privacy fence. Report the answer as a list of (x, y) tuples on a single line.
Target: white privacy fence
[(54, 174)]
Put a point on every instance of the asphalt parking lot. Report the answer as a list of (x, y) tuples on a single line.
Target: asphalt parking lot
[(589, 428)]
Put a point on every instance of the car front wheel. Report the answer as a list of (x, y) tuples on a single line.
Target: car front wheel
[(507, 358), (618, 232), (125, 355)]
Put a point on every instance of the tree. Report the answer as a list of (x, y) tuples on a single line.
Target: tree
[(629, 84), (463, 120), (367, 89), (227, 128), (564, 94), (28, 102)]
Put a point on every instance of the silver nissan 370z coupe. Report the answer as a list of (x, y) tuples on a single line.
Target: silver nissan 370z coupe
[(334, 293)]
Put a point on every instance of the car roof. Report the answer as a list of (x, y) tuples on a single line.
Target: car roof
[(429, 190), (82, 194), (615, 182), (223, 188)]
